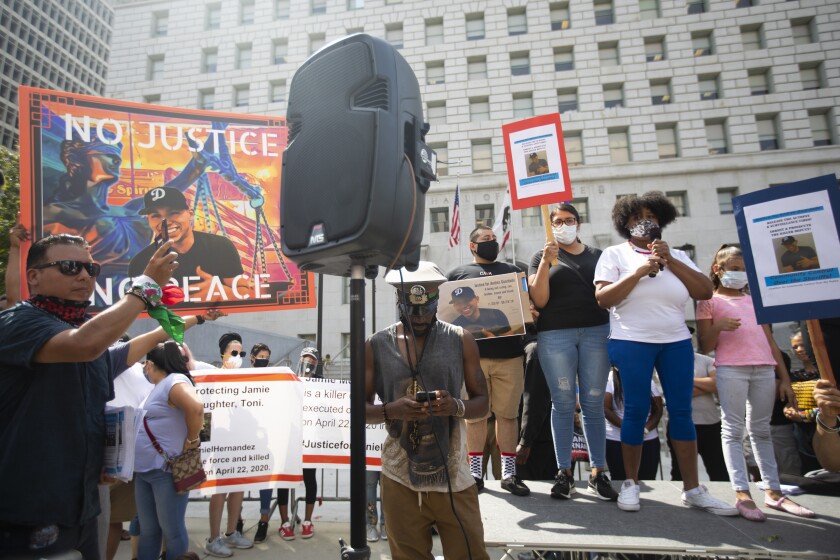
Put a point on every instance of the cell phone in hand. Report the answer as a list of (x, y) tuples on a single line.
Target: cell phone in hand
[(164, 234), (426, 396)]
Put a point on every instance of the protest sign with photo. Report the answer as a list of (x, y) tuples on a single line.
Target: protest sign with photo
[(487, 307)]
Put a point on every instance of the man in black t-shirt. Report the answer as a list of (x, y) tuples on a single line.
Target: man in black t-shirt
[(481, 323), (502, 363), (537, 166), (796, 258), (207, 261)]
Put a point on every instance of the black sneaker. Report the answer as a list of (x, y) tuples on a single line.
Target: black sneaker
[(262, 529), (479, 484), (515, 486), (564, 486), (599, 485), (239, 525)]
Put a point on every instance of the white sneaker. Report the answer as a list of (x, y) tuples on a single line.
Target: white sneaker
[(236, 540), (700, 498), (383, 533), (217, 548), (628, 498), (372, 533)]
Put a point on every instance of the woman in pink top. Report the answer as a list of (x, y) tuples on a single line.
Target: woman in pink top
[(745, 358)]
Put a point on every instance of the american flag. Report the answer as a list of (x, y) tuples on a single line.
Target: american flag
[(455, 230)]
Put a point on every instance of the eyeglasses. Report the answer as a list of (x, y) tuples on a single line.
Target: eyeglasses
[(73, 268), (236, 353), (568, 221)]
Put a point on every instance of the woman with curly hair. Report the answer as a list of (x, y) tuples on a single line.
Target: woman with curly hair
[(645, 284)]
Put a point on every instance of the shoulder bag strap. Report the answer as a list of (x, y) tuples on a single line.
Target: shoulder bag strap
[(561, 256), (154, 440)]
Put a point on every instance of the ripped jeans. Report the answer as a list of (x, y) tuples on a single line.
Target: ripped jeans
[(569, 357)]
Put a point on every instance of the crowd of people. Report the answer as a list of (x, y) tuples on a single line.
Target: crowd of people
[(608, 353)]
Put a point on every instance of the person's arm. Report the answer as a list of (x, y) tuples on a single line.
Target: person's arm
[(826, 442), (609, 413), (17, 235), (183, 397), (655, 413), (699, 285), (538, 287), (610, 294), (89, 341), (785, 390), (706, 384), (142, 344)]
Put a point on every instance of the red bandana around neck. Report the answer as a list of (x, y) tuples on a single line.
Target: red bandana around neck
[(73, 312)]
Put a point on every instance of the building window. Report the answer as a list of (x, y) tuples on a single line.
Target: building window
[(523, 105), (281, 9), (482, 157), (246, 12), (479, 109), (243, 56), (354, 30), (154, 67), (654, 49), (278, 91), (768, 134), (520, 64), (311, 338), (820, 128), (434, 31), (436, 112), (716, 138), (649, 9), (804, 31), (603, 12), (517, 21), (752, 37), (531, 217), (564, 59), (485, 215), (745, 3), (559, 16), (701, 42), (709, 85), (696, 6), (318, 7), (660, 92), (281, 51), (153, 99), (724, 197), (475, 26), (442, 152), (759, 79), (241, 95), (477, 68), (573, 145), (608, 54), (439, 220), (613, 95), (666, 141), (582, 206), (567, 100), (810, 75), (435, 72), (213, 16), (680, 201), (355, 4), (209, 60), (316, 41), (160, 24), (394, 34), (206, 99), (619, 146)]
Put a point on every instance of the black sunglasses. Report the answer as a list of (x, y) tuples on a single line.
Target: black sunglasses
[(236, 353), (73, 268)]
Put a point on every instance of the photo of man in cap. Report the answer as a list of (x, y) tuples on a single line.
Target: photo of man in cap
[(797, 257), (201, 256), (479, 322), (537, 166)]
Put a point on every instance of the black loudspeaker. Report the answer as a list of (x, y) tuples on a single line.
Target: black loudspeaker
[(356, 168)]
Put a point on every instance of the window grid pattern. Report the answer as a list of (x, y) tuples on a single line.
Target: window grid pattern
[(482, 157)]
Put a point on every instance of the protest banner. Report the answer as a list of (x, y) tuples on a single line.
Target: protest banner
[(127, 175), (490, 306)]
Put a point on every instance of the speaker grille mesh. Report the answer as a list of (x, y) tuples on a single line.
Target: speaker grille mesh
[(374, 96)]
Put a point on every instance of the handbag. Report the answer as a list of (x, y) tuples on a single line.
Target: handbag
[(579, 449), (187, 469)]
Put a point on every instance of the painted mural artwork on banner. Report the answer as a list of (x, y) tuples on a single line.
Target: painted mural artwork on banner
[(127, 176)]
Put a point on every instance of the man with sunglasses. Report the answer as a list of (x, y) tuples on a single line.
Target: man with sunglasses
[(419, 368), (57, 367)]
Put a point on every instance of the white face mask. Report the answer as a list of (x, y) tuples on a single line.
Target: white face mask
[(234, 362), (565, 235), (733, 279)]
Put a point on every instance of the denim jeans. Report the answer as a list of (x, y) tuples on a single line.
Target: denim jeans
[(747, 392), (161, 511), (569, 356), (372, 478), (265, 500)]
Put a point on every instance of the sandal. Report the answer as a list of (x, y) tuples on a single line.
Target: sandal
[(788, 506), (749, 513)]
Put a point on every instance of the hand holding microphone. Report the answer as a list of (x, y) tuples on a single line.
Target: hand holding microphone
[(649, 230)]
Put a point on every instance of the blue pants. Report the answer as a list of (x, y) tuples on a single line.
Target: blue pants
[(674, 362), (161, 511), (569, 356), (372, 479)]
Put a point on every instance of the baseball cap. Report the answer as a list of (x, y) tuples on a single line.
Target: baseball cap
[(163, 197), (427, 273), (788, 240), (463, 293), (310, 351)]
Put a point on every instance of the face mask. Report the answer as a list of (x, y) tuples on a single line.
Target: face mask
[(646, 229), (734, 279), (234, 362), (487, 250), (306, 369), (565, 235), (260, 362)]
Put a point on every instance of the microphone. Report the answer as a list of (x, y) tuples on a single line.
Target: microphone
[(655, 232)]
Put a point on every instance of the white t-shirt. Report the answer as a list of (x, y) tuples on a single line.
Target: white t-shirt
[(704, 409), (613, 431), (654, 311)]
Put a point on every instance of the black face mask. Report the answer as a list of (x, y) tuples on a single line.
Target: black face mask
[(260, 362), (488, 250)]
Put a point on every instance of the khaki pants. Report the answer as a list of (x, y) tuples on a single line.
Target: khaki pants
[(410, 524)]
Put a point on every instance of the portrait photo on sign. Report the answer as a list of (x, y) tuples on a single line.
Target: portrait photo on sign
[(796, 253), (537, 163), (486, 307)]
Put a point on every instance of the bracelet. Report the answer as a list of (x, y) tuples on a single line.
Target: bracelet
[(385, 414), (461, 409), (196, 440), (836, 427), (146, 289), (809, 414), (199, 319)]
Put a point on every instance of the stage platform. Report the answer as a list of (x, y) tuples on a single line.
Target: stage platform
[(663, 526)]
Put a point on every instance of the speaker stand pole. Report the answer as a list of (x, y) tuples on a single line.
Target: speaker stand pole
[(358, 549)]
